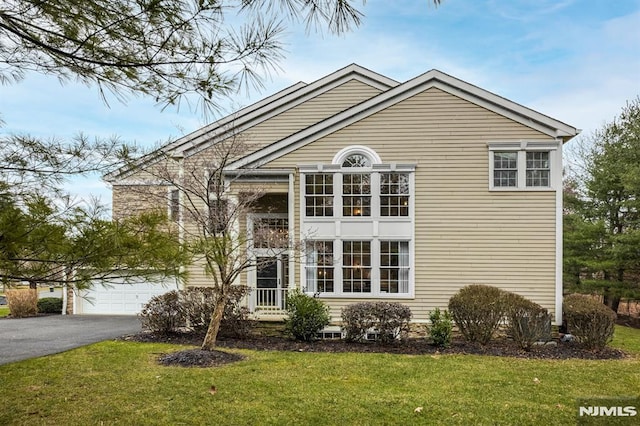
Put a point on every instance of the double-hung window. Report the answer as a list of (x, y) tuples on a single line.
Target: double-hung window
[(394, 194), (356, 267), (394, 266), (319, 266), (522, 165), (356, 194), (319, 194)]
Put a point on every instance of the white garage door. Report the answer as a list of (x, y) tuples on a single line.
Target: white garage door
[(120, 299)]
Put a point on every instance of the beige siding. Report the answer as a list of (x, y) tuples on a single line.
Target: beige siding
[(135, 199), (464, 234), (306, 114)]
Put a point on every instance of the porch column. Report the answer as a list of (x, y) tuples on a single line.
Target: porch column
[(292, 229)]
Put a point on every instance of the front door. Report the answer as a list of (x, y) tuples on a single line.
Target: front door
[(272, 277)]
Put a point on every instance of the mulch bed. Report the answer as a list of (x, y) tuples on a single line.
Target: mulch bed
[(499, 347)]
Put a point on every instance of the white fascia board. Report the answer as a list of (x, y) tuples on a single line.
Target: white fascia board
[(433, 78), (285, 103), (260, 111), (209, 131)]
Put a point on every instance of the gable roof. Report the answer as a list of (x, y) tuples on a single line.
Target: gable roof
[(257, 113), (392, 96)]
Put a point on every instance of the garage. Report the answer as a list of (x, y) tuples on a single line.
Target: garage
[(120, 298)]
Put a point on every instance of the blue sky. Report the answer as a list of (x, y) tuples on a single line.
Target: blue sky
[(577, 61)]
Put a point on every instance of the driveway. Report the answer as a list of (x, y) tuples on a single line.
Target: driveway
[(26, 338)]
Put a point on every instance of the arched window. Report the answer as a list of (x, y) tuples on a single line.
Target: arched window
[(356, 160), (356, 156)]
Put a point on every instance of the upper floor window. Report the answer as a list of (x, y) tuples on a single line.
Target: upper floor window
[(174, 205), (319, 194), (522, 165), (357, 184), (357, 160), (356, 194), (505, 169), (394, 194), (538, 169)]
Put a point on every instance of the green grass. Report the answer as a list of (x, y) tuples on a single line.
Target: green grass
[(120, 383), (4, 311)]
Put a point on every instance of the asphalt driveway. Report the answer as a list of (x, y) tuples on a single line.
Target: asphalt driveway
[(26, 338)]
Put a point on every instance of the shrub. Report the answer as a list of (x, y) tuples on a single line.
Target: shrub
[(528, 322), (389, 319), (392, 321), (163, 314), (235, 320), (50, 305), (307, 316), (197, 304), (357, 320), (441, 328), (22, 303), (591, 322), (477, 310)]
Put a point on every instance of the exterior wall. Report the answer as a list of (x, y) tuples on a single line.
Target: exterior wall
[(464, 234), (135, 199), (305, 114)]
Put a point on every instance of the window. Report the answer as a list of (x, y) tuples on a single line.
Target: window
[(174, 205), (523, 165), (356, 195), (319, 194), (505, 169), (394, 194), (219, 216), (356, 267), (270, 232), (538, 169), (319, 266), (356, 160), (394, 266)]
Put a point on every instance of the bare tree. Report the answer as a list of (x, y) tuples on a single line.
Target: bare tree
[(208, 204)]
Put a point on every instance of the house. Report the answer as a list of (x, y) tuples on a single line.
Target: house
[(401, 191)]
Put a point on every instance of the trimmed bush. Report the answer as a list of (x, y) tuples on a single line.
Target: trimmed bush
[(441, 328), (50, 305), (357, 320), (392, 321), (22, 303), (477, 310), (197, 305), (163, 314), (528, 322), (389, 319), (307, 316), (591, 322)]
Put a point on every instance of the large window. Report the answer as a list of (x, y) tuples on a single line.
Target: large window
[(394, 266), (356, 267), (319, 194), (319, 266), (394, 194), (356, 194)]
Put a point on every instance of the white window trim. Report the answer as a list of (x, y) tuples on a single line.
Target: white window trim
[(339, 234), (375, 293), (521, 148)]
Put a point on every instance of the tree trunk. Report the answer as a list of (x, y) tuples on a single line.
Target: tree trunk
[(612, 301), (209, 343)]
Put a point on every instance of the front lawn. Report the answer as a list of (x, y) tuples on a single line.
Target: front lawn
[(4, 311), (119, 382)]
